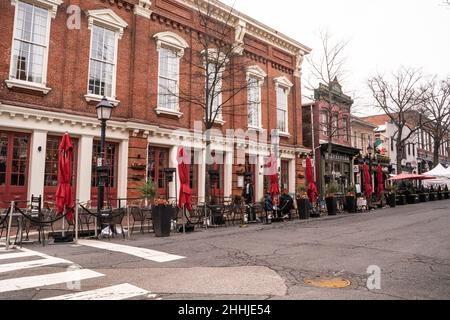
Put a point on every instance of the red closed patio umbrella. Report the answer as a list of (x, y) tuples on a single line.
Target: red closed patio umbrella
[(274, 188), (368, 190), (64, 190), (312, 189), (185, 199), (380, 180)]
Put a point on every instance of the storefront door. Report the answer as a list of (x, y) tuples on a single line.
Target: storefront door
[(51, 168), (284, 175), (111, 156), (158, 160), (14, 163)]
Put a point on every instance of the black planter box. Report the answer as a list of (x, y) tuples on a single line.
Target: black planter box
[(392, 200), (162, 220), (440, 196), (424, 197), (350, 204), (331, 206), (433, 196), (446, 195), (401, 200), (412, 199), (303, 207)]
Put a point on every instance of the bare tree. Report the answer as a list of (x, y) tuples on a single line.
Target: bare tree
[(326, 68), (216, 69), (400, 98), (436, 107)]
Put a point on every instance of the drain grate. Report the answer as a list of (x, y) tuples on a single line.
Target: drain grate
[(326, 282)]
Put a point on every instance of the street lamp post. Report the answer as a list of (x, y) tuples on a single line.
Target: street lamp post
[(104, 111)]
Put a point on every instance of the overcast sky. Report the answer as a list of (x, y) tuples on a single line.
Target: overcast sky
[(383, 34)]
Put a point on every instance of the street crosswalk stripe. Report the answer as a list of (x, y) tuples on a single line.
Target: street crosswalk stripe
[(8, 267), (16, 255), (47, 280), (143, 253), (119, 292)]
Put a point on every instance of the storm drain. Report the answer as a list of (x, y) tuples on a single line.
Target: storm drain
[(326, 282)]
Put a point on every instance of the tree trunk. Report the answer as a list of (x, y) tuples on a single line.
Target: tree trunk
[(437, 147), (399, 158)]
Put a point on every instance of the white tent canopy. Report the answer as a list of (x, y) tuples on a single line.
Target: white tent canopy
[(439, 172)]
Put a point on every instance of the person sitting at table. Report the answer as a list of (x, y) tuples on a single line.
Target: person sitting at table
[(286, 205)]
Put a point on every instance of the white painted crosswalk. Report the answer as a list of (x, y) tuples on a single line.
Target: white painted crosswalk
[(143, 253), (36, 260)]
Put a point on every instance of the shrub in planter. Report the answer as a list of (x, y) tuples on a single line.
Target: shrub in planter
[(401, 199), (433, 196), (424, 197), (392, 195), (412, 198), (350, 199), (162, 215), (330, 200)]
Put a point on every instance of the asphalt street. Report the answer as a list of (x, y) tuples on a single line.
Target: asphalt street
[(409, 246)]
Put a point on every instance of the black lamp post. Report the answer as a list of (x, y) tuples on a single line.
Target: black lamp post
[(104, 111)]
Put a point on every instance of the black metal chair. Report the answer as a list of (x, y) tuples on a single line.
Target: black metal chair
[(138, 215)]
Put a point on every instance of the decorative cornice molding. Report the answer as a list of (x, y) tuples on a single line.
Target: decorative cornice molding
[(283, 82), (143, 9), (171, 40), (107, 18), (52, 5)]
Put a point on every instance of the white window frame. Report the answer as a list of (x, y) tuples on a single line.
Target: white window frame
[(170, 41), (256, 73), (105, 18), (283, 83), (52, 7)]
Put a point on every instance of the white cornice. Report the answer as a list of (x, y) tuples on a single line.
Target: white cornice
[(257, 72), (143, 9), (252, 27), (283, 82), (52, 5), (107, 18), (171, 40)]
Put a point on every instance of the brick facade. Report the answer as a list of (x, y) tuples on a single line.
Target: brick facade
[(135, 123)]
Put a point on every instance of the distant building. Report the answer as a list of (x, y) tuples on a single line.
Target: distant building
[(337, 167)]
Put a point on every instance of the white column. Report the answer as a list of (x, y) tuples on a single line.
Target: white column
[(292, 178), (228, 174), (84, 168), (37, 163), (201, 175), (174, 187), (259, 183), (122, 190)]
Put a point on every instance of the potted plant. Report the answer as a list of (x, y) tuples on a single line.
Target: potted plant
[(350, 199), (433, 194), (411, 197), (330, 200), (162, 214), (148, 191), (303, 204), (392, 195), (440, 194), (446, 193)]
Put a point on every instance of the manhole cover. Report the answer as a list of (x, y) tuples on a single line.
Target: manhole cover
[(334, 283)]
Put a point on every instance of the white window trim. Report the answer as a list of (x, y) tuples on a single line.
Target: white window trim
[(172, 41), (52, 7), (108, 19), (257, 73), (284, 83)]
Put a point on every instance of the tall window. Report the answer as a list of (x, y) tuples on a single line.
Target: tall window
[(106, 30), (30, 44), (214, 77), (169, 65), (335, 125), (283, 87), (345, 128), (325, 123), (254, 103), (282, 112), (102, 64)]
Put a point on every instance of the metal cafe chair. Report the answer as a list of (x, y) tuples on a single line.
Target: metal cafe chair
[(138, 215)]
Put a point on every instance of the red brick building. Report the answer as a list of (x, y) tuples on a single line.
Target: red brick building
[(316, 117), (58, 58)]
